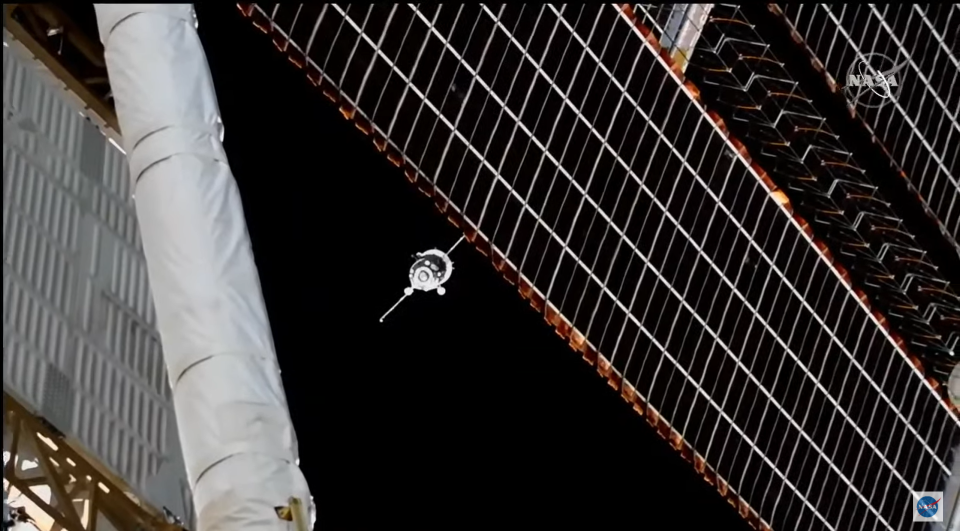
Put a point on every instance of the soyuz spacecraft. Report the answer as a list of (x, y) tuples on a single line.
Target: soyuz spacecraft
[(430, 271)]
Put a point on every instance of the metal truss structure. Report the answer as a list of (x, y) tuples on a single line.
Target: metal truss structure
[(52, 484), (71, 51)]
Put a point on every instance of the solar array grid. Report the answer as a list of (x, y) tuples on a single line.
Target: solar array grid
[(569, 145), (921, 123)]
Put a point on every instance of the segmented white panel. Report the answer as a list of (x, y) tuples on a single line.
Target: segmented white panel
[(80, 344)]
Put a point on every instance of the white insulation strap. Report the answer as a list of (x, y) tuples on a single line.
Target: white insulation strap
[(238, 441)]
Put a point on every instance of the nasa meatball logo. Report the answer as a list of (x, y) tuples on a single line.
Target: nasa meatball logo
[(928, 507), (873, 80)]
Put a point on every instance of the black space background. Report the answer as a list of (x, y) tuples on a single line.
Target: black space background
[(461, 411)]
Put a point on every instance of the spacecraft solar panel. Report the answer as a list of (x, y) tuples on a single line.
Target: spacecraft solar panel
[(569, 153), (740, 76), (920, 125)]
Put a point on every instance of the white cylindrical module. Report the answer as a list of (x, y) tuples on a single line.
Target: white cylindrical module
[(6, 510), (953, 385), (238, 441)]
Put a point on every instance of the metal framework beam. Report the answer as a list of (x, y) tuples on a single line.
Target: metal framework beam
[(71, 55), (52, 482)]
